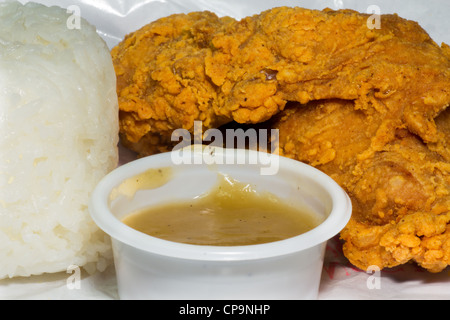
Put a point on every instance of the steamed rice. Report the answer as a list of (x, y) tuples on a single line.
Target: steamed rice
[(58, 138)]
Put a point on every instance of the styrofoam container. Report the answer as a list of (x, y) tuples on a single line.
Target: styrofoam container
[(152, 268)]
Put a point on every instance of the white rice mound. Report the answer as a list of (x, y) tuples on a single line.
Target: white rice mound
[(58, 138)]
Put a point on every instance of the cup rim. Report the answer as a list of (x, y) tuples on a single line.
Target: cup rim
[(98, 207)]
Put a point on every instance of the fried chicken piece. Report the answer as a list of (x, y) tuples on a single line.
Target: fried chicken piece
[(200, 67), (400, 187), (161, 82), (370, 109)]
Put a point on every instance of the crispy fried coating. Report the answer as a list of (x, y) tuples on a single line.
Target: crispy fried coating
[(161, 80), (367, 106), (400, 187), (197, 66)]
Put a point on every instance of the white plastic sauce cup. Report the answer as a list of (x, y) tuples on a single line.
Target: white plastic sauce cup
[(152, 268)]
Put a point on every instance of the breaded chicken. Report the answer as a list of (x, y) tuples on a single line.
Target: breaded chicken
[(400, 187), (161, 80), (368, 109), (197, 66)]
